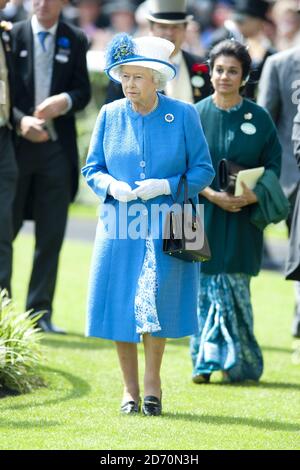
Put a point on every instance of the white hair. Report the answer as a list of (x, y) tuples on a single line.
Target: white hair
[(159, 78)]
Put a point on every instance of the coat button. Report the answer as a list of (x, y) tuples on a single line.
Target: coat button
[(142, 164), (142, 176)]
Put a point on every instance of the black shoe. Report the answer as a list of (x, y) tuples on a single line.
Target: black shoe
[(201, 378), (152, 406), (47, 327), (131, 407)]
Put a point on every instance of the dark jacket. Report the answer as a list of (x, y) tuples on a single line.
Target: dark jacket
[(114, 90), (71, 77), (293, 262), (5, 38), (292, 270)]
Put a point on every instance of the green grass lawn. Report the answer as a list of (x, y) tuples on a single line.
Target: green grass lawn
[(83, 211), (80, 407)]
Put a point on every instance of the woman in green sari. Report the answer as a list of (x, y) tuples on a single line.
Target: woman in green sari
[(241, 131)]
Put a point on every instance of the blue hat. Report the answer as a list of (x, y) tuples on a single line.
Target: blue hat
[(149, 51)]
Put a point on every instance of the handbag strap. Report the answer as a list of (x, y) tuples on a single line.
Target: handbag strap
[(183, 182)]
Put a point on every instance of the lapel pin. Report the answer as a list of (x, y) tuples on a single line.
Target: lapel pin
[(169, 117), (248, 116), (197, 81)]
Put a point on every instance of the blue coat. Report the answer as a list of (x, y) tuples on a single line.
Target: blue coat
[(130, 147)]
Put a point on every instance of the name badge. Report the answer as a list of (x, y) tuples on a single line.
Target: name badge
[(248, 128), (63, 59)]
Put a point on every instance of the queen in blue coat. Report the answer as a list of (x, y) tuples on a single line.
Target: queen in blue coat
[(140, 147)]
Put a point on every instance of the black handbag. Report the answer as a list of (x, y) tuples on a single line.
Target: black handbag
[(184, 235), (227, 174)]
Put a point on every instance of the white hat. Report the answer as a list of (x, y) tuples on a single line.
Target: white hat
[(149, 51), (168, 11)]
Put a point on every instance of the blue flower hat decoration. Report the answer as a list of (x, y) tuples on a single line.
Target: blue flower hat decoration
[(150, 52), (120, 48)]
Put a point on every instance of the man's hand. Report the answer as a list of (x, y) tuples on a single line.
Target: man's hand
[(32, 129), (51, 107)]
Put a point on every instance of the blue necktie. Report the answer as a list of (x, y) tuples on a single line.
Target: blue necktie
[(42, 36)]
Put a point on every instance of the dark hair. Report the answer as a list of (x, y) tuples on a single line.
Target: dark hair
[(232, 48)]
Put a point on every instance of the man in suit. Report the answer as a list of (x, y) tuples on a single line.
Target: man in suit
[(293, 262), (8, 167), (51, 85), (168, 19), (296, 136), (279, 94)]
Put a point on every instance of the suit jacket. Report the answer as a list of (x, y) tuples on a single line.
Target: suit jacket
[(296, 137), (293, 261), (278, 93), (114, 90), (70, 77), (292, 270), (5, 38)]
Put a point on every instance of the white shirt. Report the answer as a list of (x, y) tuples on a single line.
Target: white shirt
[(180, 87), (39, 54), (37, 28)]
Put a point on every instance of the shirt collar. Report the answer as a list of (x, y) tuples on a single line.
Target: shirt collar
[(37, 27), (176, 59)]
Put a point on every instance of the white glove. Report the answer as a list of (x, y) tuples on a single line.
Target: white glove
[(148, 189), (121, 191)]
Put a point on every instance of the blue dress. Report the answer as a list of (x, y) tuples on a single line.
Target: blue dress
[(129, 147)]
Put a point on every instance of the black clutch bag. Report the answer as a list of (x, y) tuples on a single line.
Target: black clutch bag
[(184, 235), (227, 174)]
